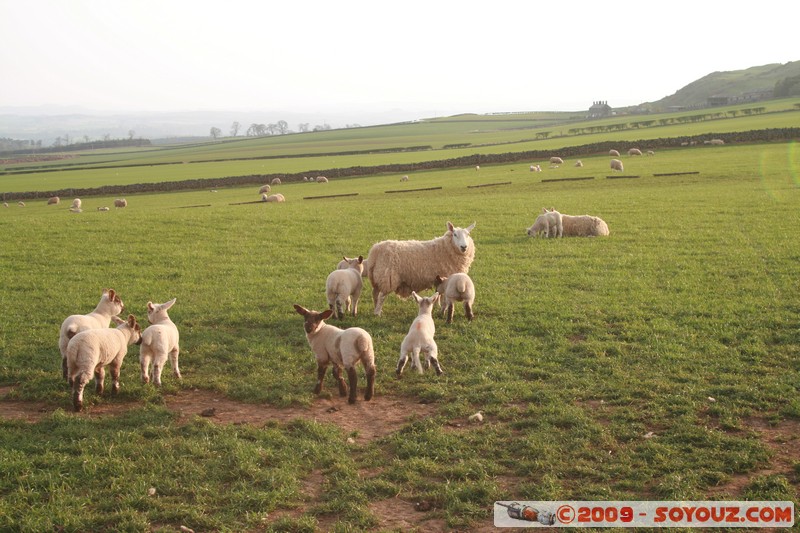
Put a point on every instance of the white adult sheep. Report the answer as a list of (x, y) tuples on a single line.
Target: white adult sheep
[(405, 266), (5, 204), (343, 348), (613, 153), (276, 181), (21, 203), (556, 161), (120, 202), (634, 151), (322, 179), (160, 341), (76, 203), (54, 200), (457, 287), (344, 285), (278, 197), (404, 178), (716, 142), (477, 167), (420, 337), (584, 226), (616, 164), (264, 189), (650, 152), (578, 163), (110, 305), (90, 351), (548, 224)]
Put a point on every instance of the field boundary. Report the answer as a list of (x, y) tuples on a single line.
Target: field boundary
[(489, 184), (330, 196), (414, 190)]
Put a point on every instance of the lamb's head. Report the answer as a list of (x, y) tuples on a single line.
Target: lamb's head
[(158, 312), (538, 226), (356, 262), (460, 236), (132, 325), (438, 284), (425, 304), (111, 302), (313, 319)]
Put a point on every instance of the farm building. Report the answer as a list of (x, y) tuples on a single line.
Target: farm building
[(600, 109)]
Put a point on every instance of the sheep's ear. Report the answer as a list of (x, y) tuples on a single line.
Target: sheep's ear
[(131, 320), (150, 306), (300, 309), (450, 227), (168, 304), (112, 294), (471, 227), (325, 314), (416, 296), (439, 280), (544, 210), (360, 259)]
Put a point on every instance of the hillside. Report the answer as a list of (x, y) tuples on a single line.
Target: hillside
[(732, 84)]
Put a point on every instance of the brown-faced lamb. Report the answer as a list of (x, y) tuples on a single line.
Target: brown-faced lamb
[(420, 337), (344, 285), (90, 351), (160, 341), (401, 267), (110, 305), (343, 348), (457, 287)]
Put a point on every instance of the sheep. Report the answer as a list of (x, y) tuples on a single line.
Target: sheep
[(5, 204), (54, 200), (103, 209), (21, 203), (90, 351), (650, 152), (716, 142), (549, 223), (578, 163), (404, 178), (264, 189), (160, 341), (405, 266), (477, 167), (322, 179), (76, 203), (536, 168), (634, 151), (110, 305), (584, 226), (274, 198), (457, 287), (556, 161), (120, 202), (344, 264), (613, 153), (75, 210), (276, 181), (343, 348), (420, 337), (344, 285), (616, 164)]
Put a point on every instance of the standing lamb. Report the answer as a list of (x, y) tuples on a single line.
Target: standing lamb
[(616, 164), (109, 306), (120, 202), (405, 266), (404, 178), (343, 348), (160, 341), (420, 337), (344, 285), (90, 351), (455, 288), (549, 224)]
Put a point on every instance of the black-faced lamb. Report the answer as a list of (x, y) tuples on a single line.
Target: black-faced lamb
[(344, 285), (405, 266), (343, 348), (457, 287), (420, 337), (90, 351), (160, 341), (110, 305)]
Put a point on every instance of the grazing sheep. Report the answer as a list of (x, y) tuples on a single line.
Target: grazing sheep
[(405, 266), (5, 204), (457, 287), (716, 142), (76, 203), (322, 179), (344, 285), (616, 164), (109, 306), (578, 163), (613, 153), (634, 151), (556, 161), (650, 152), (536, 168), (549, 224), (477, 167), (344, 348), (103, 209), (420, 337), (90, 351), (264, 189), (278, 197), (21, 203), (160, 341), (55, 200), (276, 181), (404, 178), (584, 226), (120, 202)]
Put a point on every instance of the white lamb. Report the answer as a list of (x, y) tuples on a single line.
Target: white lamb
[(76, 203), (404, 178), (276, 181), (109, 306), (405, 266), (455, 288), (55, 200), (322, 179), (420, 337), (343, 348), (160, 341), (548, 224), (90, 351), (578, 163), (344, 286), (274, 198), (616, 164)]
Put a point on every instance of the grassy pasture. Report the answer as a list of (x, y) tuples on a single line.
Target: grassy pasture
[(579, 348)]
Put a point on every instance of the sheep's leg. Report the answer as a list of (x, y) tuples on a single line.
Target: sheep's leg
[(450, 311), (339, 312), (337, 373), (78, 385), (356, 296), (352, 377), (433, 358), (173, 357), (401, 364), (65, 369), (144, 367), (320, 376), (415, 360), (100, 377), (371, 371), (115, 378), (378, 297), (468, 310)]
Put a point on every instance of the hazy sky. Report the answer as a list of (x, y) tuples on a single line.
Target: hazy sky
[(436, 56)]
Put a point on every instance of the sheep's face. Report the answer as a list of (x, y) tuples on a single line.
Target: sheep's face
[(538, 226), (158, 312), (460, 236), (313, 319)]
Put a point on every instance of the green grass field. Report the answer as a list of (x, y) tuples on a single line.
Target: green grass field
[(661, 362)]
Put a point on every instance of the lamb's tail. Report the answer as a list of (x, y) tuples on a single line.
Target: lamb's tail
[(72, 330), (461, 286)]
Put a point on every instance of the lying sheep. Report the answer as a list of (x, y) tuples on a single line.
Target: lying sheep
[(455, 288), (55, 200), (276, 181), (103, 209), (556, 161), (584, 226), (265, 189), (616, 164), (21, 203), (120, 202), (160, 341), (90, 351), (322, 179), (344, 286), (578, 163), (613, 153), (76, 203), (548, 224), (278, 197), (109, 306), (716, 142), (634, 151), (343, 348), (420, 337), (405, 266)]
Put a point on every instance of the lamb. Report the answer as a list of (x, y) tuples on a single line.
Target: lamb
[(344, 285), (536, 168), (76, 203), (160, 341), (110, 305), (5, 204), (54, 200), (477, 167), (578, 163), (616, 164), (613, 153), (120, 202), (584, 226), (549, 223), (264, 189), (274, 198), (322, 179), (405, 266), (420, 337), (276, 181), (90, 351), (404, 178), (455, 288), (103, 209), (343, 348), (634, 151), (344, 264), (556, 161)]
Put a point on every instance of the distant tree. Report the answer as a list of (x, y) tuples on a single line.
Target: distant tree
[(252, 130), (106, 137), (86, 138), (272, 128), (131, 133), (215, 132), (303, 127), (235, 128), (283, 127), (352, 125), (324, 127)]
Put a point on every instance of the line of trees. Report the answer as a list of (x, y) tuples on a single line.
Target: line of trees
[(278, 128), (665, 121)]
